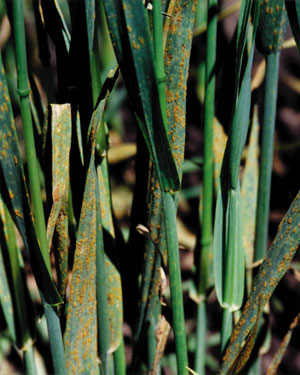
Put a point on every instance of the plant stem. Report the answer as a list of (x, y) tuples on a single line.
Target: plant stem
[(175, 283), (200, 338), (29, 361), (206, 240), (119, 359), (23, 92), (266, 158), (226, 328), (151, 343)]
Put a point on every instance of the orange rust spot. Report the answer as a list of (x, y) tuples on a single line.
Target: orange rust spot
[(18, 213), (135, 45), (129, 29), (3, 153), (290, 220), (11, 194), (281, 267), (141, 40)]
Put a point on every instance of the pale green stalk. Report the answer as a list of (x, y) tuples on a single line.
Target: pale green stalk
[(29, 361), (175, 283), (119, 359), (208, 168)]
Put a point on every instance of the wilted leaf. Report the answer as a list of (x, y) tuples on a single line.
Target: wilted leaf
[(161, 335)]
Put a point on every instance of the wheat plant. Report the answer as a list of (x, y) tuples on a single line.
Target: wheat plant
[(85, 289)]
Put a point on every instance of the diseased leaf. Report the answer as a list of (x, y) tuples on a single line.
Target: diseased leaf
[(272, 26), (59, 122), (246, 350), (130, 33), (272, 370), (274, 266), (113, 285), (81, 327), (179, 38), (88, 291), (15, 196), (109, 288)]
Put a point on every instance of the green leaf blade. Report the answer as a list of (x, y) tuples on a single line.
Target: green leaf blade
[(235, 267), (249, 191)]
